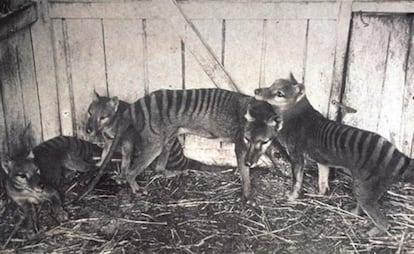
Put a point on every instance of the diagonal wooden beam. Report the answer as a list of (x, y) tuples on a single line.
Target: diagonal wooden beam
[(195, 43)]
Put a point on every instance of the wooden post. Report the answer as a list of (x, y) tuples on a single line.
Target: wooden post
[(196, 44), (342, 40)]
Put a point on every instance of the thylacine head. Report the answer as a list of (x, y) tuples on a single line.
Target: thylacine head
[(102, 113), (283, 94), (261, 128), (23, 185)]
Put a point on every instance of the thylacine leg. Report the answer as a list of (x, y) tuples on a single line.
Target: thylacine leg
[(162, 159), (367, 195), (323, 178), (146, 157), (127, 149), (105, 151), (244, 170), (297, 180)]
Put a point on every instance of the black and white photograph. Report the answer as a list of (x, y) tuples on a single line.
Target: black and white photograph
[(207, 126)]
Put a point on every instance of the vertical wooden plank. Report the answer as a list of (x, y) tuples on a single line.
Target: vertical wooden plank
[(45, 75), (285, 49), (164, 56), (11, 92), (407, 118), (366, 70), (392, 91), (343, 23), (211, 30), (62, 77), (319, 63), (27, 79), (87, 63), (124, 58), (243, 49)]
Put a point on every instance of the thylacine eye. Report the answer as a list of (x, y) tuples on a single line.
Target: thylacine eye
[(102, 118), (246, 140), (279, 94), (266, 141), (21, 175)]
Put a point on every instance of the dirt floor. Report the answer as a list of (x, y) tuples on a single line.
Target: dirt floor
[(201, 212)]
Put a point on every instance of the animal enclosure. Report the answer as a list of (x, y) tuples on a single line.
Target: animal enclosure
[(357, 53), (344, 51)]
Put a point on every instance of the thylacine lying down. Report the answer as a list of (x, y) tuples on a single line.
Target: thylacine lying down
[(61, 156), (373, 161), (153, 122)]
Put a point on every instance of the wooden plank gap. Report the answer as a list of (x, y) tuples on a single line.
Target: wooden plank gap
[(223, 41), (196, 44), (145, 55), (305, 52), (262, 73), (183, 63), (105, 59), (343, 39)]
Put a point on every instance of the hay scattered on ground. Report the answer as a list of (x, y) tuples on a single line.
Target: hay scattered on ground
[(201, 211)]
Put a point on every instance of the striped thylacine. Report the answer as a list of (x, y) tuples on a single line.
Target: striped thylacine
[(373, 161), (154, 121)]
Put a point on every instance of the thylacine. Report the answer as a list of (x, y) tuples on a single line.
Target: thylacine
[(23, 186), (373, 161), (110, 116), (61, 156), (154, 121), (260, 132)]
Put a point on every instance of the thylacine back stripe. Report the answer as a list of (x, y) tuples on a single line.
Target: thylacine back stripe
[(207, 96), (341, 143), (203, 93), (348, 143), (183, 102), (329, 129), (365, 141), (189, 101), (330, 136), (322, 133), (336, 140)]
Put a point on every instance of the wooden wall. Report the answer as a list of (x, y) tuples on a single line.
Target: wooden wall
[(380, 77), (126, 48)]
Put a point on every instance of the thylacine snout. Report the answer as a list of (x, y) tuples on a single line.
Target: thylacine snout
[(262, 126)]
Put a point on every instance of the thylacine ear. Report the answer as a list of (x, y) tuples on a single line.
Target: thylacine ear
[(6, 164), (27, 141), (292, 78), (248, 116), (275, 122), (97, 96), (114, 102)]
